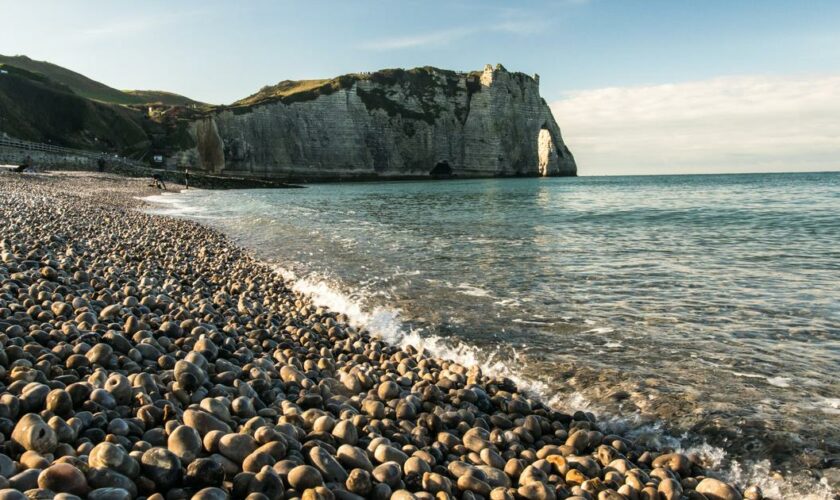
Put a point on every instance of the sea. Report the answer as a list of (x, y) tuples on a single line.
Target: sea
[(696, 312)]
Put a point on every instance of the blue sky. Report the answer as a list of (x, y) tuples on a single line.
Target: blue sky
[(709, 54)]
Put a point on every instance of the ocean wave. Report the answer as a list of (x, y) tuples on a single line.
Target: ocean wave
[(472, 290), (173, 204), (601, 330), (532, 322), (504, 360), (779, 381), (386, 324)]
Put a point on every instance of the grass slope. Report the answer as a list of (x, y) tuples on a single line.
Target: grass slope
[(33, 107), (421, 84), (92, 89), (289, 91), (162, 97)]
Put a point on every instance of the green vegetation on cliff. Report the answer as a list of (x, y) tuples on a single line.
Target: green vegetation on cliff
[(33, 107), (418, 84), (162, 97), (91, 89), (289, 91)]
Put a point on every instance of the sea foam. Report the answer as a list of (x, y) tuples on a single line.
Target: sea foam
[(386, 324)]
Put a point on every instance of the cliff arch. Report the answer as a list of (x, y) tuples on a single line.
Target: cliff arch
[(546, 152)]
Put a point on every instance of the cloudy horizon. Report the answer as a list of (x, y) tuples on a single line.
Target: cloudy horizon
[(722, 125)]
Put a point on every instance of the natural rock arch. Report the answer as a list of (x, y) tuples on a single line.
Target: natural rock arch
[(546, 152)]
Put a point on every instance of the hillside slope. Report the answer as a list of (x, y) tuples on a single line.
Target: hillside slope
[(91, 89), (34, 107), (162, 97)]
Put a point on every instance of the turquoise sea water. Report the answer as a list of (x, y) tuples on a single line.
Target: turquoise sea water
[(706, 306)]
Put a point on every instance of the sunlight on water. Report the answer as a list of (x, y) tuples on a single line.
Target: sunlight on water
[(705, 306)]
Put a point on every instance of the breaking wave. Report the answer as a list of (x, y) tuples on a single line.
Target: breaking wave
[(386, 324)]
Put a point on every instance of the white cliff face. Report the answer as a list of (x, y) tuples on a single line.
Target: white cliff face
[(417, 123)]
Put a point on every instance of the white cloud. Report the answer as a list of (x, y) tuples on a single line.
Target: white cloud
[(745, 123), (123, 27), (433, 38), (137, 24), (448, 36)]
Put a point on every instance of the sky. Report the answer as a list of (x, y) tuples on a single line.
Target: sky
[(637, 86)]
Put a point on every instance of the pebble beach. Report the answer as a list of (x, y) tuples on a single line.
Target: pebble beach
[(144, 356)]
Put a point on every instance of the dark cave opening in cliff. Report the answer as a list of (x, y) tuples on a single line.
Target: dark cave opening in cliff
[(442, 169)]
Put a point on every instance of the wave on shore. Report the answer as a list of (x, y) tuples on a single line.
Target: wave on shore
[(386, 323)]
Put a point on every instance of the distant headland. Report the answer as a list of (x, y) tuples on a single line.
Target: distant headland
[(389, 124)]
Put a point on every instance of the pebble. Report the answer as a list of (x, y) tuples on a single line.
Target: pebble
[(161, 466), (385, 453), (389, 473), (416, 466), (304, 476), (110, 494), (109, 479), (473, 484), (353, 458), (388, 390), (110, 456), (25, 480), (211, 494), (63, 478), (537, 491), (715, 489), (329, 467), (185, 443), (237, 446), (345, 432), (32, 433), (359, 482), (204, 472)]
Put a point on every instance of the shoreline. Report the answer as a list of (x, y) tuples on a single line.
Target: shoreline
[(211, 309)]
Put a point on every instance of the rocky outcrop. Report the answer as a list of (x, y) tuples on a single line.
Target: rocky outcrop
[(389, 124)]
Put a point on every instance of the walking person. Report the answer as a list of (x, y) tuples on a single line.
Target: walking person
[(157, 182)]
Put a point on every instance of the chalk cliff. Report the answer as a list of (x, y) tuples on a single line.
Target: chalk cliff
[(388, 124)]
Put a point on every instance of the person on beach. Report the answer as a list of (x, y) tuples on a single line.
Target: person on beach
[(186, 178), (157, 182), (100, 164), (26, 165)]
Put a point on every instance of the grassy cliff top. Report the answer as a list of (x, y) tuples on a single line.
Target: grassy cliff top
[(419, 81), (162, 97), (91, 89), (289, 91)]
